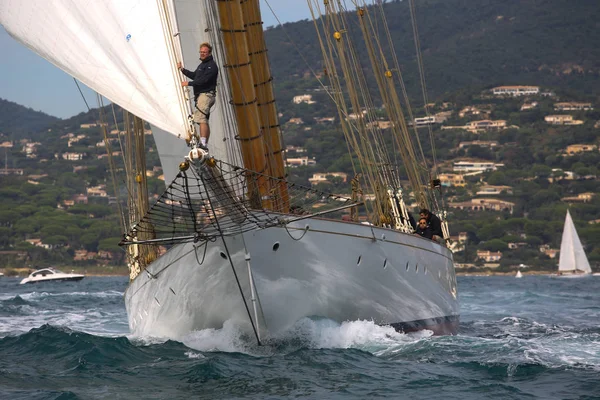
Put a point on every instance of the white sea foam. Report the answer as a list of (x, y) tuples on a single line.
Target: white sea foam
[(316, 334), (41, 295)]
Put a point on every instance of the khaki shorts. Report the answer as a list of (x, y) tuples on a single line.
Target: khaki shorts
[(203, 104)]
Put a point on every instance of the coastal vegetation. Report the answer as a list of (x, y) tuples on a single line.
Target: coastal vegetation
[(59, 206)]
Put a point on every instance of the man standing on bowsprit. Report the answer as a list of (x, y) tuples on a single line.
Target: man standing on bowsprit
[(204, 82)]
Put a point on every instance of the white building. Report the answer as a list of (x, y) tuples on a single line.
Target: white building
[(475, 166), (304, 98), (515, 90)]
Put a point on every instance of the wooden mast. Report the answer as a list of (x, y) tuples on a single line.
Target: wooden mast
[(245, 101), (263, 83)]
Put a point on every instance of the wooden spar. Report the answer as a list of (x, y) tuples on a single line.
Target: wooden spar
[(263, 82), (245, 101)]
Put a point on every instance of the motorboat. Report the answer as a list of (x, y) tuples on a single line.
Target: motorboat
[(51, 274)]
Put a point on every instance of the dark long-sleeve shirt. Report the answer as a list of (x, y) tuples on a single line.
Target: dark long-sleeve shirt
[(435, 224), (424, 231), (204, 79)]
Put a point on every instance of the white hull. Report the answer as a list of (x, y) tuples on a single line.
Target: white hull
[(572, 275), (337, 270), (50, 275)]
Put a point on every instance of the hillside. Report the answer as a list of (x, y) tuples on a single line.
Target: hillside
[(468, 43), (17, 120), (468, 46)]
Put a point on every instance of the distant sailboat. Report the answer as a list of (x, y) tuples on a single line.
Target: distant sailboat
[(573, 262), (519, 274)]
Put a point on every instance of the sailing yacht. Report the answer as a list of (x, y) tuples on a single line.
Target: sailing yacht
[(231, 240), (573, 262), (519, 274)]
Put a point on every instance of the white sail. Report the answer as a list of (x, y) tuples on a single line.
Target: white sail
[(114, 47), (572, 255)]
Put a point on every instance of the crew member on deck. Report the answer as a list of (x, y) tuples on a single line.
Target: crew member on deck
[(423, 229), (434, 223), (204, 82)]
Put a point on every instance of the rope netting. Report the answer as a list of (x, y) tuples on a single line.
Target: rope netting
[(205, 202)]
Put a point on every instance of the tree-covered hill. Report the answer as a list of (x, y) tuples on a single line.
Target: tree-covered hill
[(468, 43), (17, 120)]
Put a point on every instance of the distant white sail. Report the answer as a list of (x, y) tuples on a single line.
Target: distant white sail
[(114, 47), (572, 255)]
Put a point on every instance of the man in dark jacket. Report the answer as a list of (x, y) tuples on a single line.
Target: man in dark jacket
[(434, 223), (204, 82), (423, 229)]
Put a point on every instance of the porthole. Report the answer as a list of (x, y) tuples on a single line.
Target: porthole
[(276, 246), (223, 256)]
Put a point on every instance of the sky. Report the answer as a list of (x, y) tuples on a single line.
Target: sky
[(31, 81)]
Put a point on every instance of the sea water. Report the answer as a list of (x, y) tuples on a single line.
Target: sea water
[(531, 338)]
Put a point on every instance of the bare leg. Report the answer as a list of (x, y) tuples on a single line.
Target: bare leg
[(204, 132)]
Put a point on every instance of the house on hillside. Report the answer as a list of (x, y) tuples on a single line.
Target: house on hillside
[(482, 109), (475, 166), (492, 190), (485, 125), (30, 148), (296, 149), (11, 171), (97, 191), (545, 249), (489, 256), (579, 148), (484, 205), (72, 156), (528, 106), (295, 121), (515, 91), (562, 119), (325, 120), (573, 106), (450, 180), (490, 144), (303, 98), (580, 198), (321, 177), (300, 161)]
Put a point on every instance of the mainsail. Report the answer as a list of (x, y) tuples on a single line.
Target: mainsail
[(572, 255), (114, 47)]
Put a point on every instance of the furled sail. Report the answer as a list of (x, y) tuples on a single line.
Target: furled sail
[(121, 49), (196, 23), (572, 255)]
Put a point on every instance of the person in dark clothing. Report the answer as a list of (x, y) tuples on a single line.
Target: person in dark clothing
[(204, 82), (411, 220), (434, 223), (423, 229)]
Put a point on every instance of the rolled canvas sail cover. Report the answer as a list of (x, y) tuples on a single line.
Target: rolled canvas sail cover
[(572, 255), (118, 48)]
